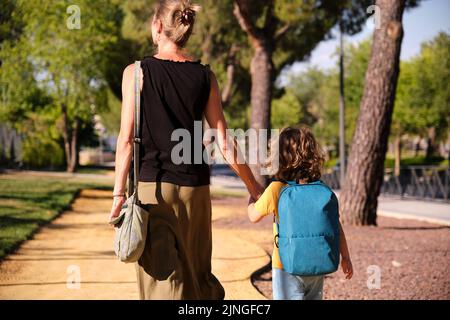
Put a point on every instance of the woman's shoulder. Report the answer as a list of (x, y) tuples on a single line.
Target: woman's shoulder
[(130, 69), (129, 74)]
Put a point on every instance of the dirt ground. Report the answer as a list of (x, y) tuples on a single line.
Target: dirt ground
[(413, 258)]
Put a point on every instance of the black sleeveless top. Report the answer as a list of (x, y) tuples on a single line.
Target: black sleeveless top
[(174, 96)]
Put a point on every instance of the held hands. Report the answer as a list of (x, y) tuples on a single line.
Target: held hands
[(347, 268), (116, 207), (256, 190)]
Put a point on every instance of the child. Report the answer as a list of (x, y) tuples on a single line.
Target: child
[(300, 160)]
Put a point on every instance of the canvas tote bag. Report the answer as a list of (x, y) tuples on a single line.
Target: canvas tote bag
[(131, 224)]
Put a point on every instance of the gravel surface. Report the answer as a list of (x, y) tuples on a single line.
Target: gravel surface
[(412, 257)]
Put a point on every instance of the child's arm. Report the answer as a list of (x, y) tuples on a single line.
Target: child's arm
[(346, 262), (266, 204), (253, 215)]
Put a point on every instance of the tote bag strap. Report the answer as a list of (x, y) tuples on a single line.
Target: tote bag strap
[(133, 178)]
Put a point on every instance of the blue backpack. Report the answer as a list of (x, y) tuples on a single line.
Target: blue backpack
[(308, 229)]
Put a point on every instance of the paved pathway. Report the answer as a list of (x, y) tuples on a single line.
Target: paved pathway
[(433, 212), (78, 244)]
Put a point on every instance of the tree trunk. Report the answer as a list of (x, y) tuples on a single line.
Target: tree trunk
[(262, 71), (65, 134), (207, 47), (359, 198), (398, 153), (261, 97), (227, 91), (70, 138), (431, 142), (12, 152), (231, 65), (417, 146), (73, 164)]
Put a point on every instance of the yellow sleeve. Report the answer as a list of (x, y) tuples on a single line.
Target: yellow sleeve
[(268, 202)]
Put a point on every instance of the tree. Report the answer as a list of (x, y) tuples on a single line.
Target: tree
[(133, 42), (432, 95), (70, 62), (357, 60), (318, 92), (21, 102), (286, 110), (219, 42), (282, 32), (359, 198), (350, 22), (423, 98), (404, 120), (306, 89), (11, 24)]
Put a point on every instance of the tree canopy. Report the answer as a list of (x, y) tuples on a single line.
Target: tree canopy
[(55, 72), (422, 100)]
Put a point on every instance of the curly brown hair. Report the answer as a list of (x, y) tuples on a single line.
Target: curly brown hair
[(301, 158)]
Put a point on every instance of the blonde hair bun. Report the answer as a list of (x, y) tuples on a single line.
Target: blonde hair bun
[(178, 18)]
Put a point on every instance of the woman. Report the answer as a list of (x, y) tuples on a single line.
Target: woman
[(175, 92)]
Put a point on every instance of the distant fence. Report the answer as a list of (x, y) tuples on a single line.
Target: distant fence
[(419, 182)]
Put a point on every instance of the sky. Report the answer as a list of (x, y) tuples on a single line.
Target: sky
[(420, 24)]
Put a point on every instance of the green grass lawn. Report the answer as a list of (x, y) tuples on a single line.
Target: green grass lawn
[(26, 203), (418, 161), (92, 170)]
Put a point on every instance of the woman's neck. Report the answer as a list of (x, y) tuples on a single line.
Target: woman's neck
[(169, 50)]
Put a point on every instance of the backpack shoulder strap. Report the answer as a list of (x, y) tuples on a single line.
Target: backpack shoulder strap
[(277, 219)]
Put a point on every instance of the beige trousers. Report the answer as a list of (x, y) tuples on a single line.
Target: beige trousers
[(176, 263)]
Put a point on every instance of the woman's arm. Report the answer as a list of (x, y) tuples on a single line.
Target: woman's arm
[(124, 148), (215, 117)]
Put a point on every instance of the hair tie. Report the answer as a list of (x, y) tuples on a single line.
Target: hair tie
[(186, 16)]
